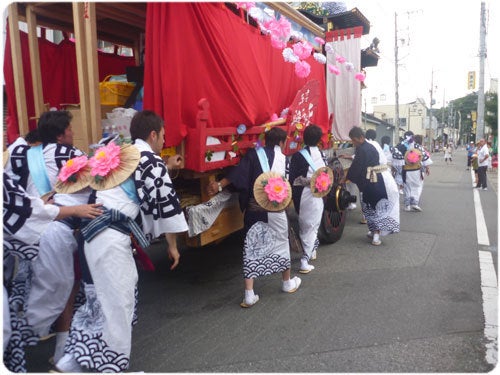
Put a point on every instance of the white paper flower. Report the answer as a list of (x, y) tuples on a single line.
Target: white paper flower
[(349, 66), (257, 14), (319, 57), (289, 56)]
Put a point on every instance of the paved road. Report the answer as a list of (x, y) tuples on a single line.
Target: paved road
[(413, 304)]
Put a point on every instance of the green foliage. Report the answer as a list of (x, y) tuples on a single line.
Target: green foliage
[(491, 112)]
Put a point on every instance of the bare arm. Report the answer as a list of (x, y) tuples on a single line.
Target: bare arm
[(84, 211), (173, 252)]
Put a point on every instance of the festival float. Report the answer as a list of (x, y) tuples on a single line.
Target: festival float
[(220, 75)]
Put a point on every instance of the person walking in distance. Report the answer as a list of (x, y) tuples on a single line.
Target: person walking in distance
[(380, 197), (483, 155)]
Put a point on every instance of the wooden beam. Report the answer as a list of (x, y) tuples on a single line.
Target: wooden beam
[(17, 58), (81, 66), (93, 71), (137, 9), (128, 19), (36, 72)]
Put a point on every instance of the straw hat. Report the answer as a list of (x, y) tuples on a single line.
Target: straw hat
[(413, 157), (320, 172), (272, 191), (127, 162), (77, 181)]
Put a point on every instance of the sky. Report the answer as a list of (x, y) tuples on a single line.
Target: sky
[(438, 42)]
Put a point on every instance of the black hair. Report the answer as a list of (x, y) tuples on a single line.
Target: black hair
[(356, 132), (371, 134), (52, 124), (386, 140), (312, 135), (33, 136), (274, 136), (408, 133), (143, 123)]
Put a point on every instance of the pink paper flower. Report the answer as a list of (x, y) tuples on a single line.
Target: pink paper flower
[(276, 189), (333, 69), (319, 40), (302, 50), (280, 29), (245, 4), (105, 159), (277, 42), (360, 77), (274, 117), (283, 28), (323, 182), (413, 157), (340, 59), (302, 69), (72, 167)]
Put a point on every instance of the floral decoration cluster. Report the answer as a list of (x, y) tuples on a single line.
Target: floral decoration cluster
[(280, 31), (413, 157), (276, 189), (323, 182), (105, 160), (69, 172)]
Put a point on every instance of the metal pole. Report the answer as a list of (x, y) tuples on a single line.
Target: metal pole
[(430, 112), (396, 109), (480, 93)]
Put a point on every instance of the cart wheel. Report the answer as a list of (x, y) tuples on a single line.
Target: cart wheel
[(332, 226)]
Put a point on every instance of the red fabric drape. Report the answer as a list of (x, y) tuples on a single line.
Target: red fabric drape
[(59, 76), (203, 50)]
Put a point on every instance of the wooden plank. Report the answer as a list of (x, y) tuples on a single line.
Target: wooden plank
[(93, 72), (15, 46), (82, 129), (36, 72)]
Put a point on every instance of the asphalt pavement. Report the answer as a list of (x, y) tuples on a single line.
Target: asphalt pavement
[(413, 304)]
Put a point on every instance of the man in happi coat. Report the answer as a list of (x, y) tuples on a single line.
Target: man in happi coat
[(380, 196), (411, 174), (35, 165), (101, 331), (308, 207), (266, 250), (25, 217)]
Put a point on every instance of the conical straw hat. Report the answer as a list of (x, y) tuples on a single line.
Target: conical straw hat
[(129, 160), (282, 191), (320, 193)]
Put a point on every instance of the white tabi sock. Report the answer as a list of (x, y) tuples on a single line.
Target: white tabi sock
[(60, 342), (249, 295)]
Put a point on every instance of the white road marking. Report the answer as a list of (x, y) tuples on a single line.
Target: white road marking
[(489, 285)]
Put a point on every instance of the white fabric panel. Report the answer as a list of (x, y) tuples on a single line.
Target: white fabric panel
[(344, 91)]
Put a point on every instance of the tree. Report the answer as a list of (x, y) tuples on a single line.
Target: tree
[(491, 112)]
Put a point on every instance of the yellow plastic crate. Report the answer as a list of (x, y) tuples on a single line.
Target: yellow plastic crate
[(115, 93)]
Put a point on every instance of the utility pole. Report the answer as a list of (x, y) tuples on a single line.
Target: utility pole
[(480, 93), (396, 109), (430, 111)]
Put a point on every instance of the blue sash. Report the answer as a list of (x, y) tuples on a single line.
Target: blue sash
[(308, 158), (38, 171), (128, 186), (264, 163), (114, 219)]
